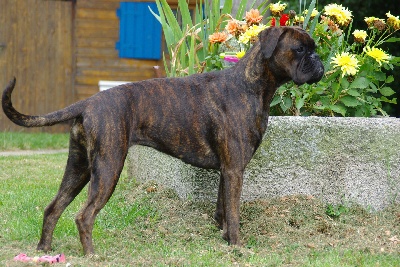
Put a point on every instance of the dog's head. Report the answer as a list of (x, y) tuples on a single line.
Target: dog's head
[(290, 53)]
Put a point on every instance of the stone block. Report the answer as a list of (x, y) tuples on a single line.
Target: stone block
[(350, 160)]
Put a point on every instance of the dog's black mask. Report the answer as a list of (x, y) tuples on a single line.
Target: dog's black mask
[(310, 68)]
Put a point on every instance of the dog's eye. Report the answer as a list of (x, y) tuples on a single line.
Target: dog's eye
[(300, 50)]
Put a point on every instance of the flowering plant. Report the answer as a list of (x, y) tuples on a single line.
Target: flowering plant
[(187, 34), (355, 83)]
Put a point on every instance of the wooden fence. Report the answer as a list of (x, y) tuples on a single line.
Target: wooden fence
[(36, 48), (96, 33)]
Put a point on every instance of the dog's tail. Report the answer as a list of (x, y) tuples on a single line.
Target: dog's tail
[(49, 119)]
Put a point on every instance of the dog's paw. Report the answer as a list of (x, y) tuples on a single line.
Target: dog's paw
[(218, 220), (43, 247)]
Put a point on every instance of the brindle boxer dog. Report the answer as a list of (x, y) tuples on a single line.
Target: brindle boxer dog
[(213, 120)]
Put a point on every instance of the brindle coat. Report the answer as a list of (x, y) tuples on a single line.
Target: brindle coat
[(213, 120)]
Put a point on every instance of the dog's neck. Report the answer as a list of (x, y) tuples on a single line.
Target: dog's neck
[(258, 71), (253, 65), (257, 74)]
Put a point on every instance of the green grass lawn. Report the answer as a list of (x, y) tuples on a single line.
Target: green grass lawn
[(32, 141), (138, 228)]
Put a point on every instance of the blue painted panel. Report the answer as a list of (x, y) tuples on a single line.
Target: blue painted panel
[(140, 31)]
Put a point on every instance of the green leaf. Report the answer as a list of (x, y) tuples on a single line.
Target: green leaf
[(227, 8), (344, 83), (395, 61), (387, 91), (353, 92), (241, 9), (332, 76), (169, 23), (392, 40), (307, 18), (350, 101), (172, 21), (185, 13), (287, 101), (286, 104), (387, 66), (214, 15), (325, 100), (335, 87), (385, 99), (191, 55), (360, 82), (281, 89), (380, 76), (299, 103), (373, 87), (314, 24), (389, 79), (168, 71), (275, 101), (319, 107), (364, 111), (339, 109)]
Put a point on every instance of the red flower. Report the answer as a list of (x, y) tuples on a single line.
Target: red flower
[(282, 21)]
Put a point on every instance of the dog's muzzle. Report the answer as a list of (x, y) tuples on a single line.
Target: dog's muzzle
[(313, 66)]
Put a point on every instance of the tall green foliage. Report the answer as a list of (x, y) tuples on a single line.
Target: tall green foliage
[(186, 35)]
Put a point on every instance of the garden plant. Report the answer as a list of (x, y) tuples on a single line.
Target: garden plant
[(355, 81)]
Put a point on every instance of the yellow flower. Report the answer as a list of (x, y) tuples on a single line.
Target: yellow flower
[(277, 9), (340, 14), (240, 54), (251, 33), (313, 13), (374, 22), (378, 54), (347, 62), (370, 20), (360, 36), (298, 19), (393, 21)]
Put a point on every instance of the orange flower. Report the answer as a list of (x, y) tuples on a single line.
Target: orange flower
[(253, 17), (218, 37), (233, 27)]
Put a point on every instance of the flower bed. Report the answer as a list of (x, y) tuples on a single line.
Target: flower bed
[(355, 82)]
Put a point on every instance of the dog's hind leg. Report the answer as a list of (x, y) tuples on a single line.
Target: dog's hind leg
[(105, 171), (75, 178)]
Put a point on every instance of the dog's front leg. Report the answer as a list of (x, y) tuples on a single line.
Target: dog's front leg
[(219, 212), (232, 181)]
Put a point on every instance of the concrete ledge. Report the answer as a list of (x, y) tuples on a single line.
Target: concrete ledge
[(354, 160)]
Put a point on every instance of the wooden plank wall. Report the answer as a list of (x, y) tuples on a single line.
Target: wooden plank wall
[(37, 50), (96, 32), (59, 51)]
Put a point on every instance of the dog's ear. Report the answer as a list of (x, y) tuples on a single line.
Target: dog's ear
[(269, 40)]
